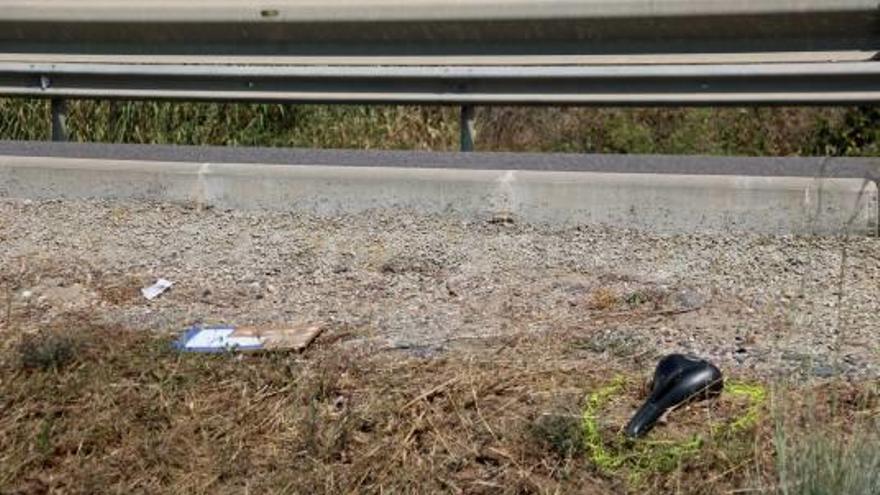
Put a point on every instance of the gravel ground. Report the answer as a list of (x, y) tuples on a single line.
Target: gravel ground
[(759, 305)]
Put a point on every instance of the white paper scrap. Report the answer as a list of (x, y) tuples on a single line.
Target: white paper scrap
[(217, 339), (153, 291)]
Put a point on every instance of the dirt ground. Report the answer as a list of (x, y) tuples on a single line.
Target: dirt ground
[(88, 408), (760, 305), (457, 357)]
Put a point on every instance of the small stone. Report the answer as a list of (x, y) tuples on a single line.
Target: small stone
[(823, 371), (688, 299)]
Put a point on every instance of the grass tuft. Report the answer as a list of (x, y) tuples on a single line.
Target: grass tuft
[(827, 463), (561, 434), (603, 299), (47, 350)]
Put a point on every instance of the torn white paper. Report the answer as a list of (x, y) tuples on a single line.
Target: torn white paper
[(153, 291)]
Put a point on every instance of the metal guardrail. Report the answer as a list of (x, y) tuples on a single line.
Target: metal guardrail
[(578, 52), (436, 27), (816, 83), (706, 84)]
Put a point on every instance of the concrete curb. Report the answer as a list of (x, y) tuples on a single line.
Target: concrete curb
[(659, 202)]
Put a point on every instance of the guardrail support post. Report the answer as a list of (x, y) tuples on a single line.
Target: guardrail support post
[(877, 227), (59, 119), (468, 130)]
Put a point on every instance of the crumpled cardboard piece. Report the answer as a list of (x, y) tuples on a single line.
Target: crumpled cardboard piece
[(248, 339)]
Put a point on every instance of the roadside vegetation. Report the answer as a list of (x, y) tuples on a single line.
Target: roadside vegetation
[(715, 131), (86, 408), (91, 408)]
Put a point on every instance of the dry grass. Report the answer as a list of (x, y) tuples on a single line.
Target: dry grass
[(840, 453), (604, 298), (125, 413), (716, 131)]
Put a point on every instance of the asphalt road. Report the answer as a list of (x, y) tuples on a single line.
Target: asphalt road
[(858, 168)]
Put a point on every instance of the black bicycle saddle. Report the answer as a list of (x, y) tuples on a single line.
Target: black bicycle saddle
[(678, 379)]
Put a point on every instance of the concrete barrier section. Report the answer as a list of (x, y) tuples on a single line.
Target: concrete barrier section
[(662, 202)]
